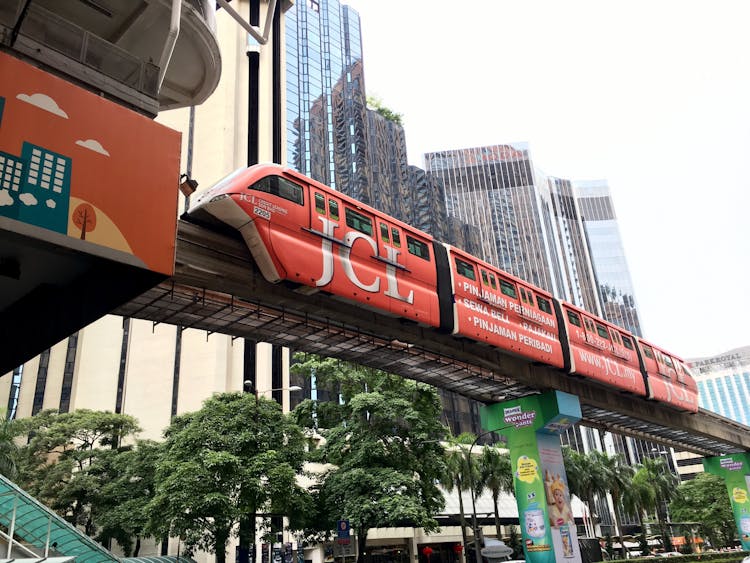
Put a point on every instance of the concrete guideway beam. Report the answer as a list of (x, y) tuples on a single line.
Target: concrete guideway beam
[(217, 288)]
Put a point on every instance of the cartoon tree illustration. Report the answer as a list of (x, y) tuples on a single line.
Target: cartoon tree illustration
[(84, 217)]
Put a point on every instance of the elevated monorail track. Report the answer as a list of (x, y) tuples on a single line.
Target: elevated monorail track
[(217, 288)]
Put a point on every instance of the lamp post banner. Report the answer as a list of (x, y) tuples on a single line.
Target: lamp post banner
[(735, 470)]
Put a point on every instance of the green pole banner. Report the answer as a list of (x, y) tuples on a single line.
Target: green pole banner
[(735, 470), (532, 425)]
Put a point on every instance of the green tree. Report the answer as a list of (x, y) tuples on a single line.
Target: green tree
[(618, 477), (497, 476), (236, 457), (377, 105), (637, 499), (665, 484), (457, 474), (55, 465), (127, 487), (384, 451), (586, 479), (514, 542), (705, 500), (9, 431)]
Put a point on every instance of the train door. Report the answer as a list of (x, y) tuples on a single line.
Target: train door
[(624, 363), (596, 351), (678, 391), (539, 326), (658, 386), (362, 275), (280, 201), (687, 382), (410, 279), (313, 263)]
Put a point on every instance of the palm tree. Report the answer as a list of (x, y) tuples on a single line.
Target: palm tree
[(638, 498), (497, 476), (665, 484), (586, 480), (619, 475), (457, 476)]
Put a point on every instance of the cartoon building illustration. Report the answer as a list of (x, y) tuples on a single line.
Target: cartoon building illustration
[(35, 187)]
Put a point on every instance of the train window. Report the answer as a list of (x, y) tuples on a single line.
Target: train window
[(507, 288), (276, 185), (544, 304), (417, 248), (465, 269), (357, 221), (573, 318), (647, 351), (627, 342), (492, 281), (384, 233), (522, 291), (668, 361), (485, 278), (333, 209), (602, 331), (320, 203), (396, 237)]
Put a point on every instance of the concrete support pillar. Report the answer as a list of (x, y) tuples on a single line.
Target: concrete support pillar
[(532, 426)]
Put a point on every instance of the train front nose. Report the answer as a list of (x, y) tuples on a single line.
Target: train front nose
[(219, 210)]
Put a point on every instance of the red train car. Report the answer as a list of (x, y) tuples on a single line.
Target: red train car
[(494, 307), (668, 378), (302, 232), (601, 350)]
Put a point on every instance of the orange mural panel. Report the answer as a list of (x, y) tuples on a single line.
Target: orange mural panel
[(77, 164)]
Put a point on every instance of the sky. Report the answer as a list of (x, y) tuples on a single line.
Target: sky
[(654, 97)]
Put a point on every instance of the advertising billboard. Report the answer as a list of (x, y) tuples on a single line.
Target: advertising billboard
[(75, 164)]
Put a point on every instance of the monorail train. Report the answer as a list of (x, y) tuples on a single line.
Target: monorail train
[(301, 231)]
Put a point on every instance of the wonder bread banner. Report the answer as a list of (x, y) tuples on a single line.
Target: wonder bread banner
[(735, 470)]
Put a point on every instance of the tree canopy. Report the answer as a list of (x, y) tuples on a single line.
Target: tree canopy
[(384, 449), (236, 457), (704, 499), (58, 466)]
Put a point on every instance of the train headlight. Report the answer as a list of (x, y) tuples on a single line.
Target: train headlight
[(218, 197)]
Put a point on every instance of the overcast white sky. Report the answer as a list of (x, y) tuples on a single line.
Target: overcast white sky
[(652, 96)]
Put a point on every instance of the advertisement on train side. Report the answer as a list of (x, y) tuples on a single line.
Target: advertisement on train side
[(83, 172), (735, 470)]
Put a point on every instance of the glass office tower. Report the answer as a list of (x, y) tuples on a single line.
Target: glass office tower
[(578, 285), (326, 108), (724, 383), (498, 190), (611, 273)]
